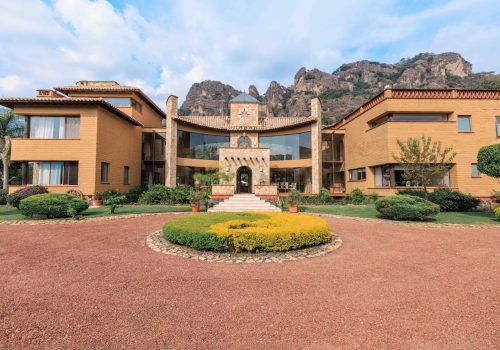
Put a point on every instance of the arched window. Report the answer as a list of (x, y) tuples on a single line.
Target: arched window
[(244, 142)]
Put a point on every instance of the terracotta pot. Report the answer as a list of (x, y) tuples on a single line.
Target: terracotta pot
[(195, 208), (96, 202), (293, 208)]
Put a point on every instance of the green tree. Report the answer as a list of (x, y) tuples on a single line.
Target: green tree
[(423, 160), (10, 126), (488, 160)]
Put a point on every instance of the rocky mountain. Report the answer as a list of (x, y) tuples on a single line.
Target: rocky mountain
[(346, 88)]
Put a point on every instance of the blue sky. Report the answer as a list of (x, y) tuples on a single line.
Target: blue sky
[(165, 46)]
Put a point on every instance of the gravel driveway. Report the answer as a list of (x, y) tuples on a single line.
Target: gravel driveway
[(96, 285)]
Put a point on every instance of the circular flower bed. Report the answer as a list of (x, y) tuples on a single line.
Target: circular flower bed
[(247, 232)]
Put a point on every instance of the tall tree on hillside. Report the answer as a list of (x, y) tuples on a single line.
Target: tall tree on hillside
[(10, 126), (423, 160)]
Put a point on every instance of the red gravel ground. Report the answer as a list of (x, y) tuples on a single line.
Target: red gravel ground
[(96, 285)]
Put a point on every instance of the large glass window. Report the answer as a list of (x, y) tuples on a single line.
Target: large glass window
[(390, 175), (288, 147), (292, 178), (464, 123), (52, 173), (119, 101), (200, 146), (54, 127)]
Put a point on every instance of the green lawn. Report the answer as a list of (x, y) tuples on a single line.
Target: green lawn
[(14, 214), (369, 211)]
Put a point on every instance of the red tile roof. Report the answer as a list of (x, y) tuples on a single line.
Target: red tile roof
[(11, 102)]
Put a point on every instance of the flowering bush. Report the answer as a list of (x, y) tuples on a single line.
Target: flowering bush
[(14, 199), (497, 212), (249, 232)]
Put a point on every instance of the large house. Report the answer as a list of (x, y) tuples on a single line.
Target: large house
[(100, 135)]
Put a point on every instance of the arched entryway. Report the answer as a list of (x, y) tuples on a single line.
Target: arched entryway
[(244, 180)]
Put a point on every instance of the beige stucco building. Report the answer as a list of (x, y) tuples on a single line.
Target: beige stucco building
[(95, 136)]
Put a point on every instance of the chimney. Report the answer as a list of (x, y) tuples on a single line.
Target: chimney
[(48, 93), (316, 108), (172, 108)]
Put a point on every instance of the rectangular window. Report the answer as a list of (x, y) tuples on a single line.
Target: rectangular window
[(52, 173), (498, 126), (126, 170), (409, 118), (357, 174), (119, 101), (474, 170), (464, 123), (104, 172), (54, 127)]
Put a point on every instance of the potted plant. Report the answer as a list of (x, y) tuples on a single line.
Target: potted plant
[(96, 200), (294, 198), (196, 198)]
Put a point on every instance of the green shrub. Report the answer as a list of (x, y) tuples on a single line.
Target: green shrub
[(3, 196), (14, 199), (450, 200), (497, 213), (413, 192), (488, 160), (52, 205), (294, 197), (355, 197), (179, 194), (405, 207), (370, 198), (324, 195), (109, 193), (133, 195), (159, 194), (114, 202), (156, 194)]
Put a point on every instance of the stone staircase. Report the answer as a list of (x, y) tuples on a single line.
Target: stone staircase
[(243, 202)]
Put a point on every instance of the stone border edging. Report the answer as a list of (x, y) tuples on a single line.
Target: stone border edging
[(156, 242), (72, 221), (407, 223)]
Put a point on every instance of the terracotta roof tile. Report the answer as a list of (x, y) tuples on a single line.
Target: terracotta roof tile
[(11, 102), (223, 122), (114, 88)]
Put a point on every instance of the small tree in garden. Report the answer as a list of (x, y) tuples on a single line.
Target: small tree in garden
[(423, 160), (10, 126), (488, 160), (212, 176), (114, 201)]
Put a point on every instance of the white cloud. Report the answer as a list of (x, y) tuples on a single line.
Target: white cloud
[(239, 43)]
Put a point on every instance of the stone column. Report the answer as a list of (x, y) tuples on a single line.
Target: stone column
[(316, 145), (171, 146)]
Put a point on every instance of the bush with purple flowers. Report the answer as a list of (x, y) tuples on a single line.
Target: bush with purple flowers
[(14, 199)]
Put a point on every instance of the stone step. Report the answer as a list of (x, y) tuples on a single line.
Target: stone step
[(244, 202)]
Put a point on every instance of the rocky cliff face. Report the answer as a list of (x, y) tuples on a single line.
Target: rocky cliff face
[(346, 88)]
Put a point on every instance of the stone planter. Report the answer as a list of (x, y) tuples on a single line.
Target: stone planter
[(293, 208), (195, 208)]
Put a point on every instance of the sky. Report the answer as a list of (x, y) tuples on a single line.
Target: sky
[(164, 46)]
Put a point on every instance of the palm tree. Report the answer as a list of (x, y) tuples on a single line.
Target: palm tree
[(10, 126)]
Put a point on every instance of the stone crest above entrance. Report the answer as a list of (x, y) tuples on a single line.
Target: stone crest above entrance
[(244, 112)]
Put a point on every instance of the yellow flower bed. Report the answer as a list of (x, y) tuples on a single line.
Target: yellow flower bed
[(275, 232)]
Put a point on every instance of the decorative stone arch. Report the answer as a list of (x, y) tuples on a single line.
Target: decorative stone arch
[(244, 142), (244, 180)]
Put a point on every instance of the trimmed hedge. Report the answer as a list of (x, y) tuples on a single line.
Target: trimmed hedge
[(14, 199), (450, 200), (405, 207), (52, 205), (488, 160), (447, 199), (249, 232)]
